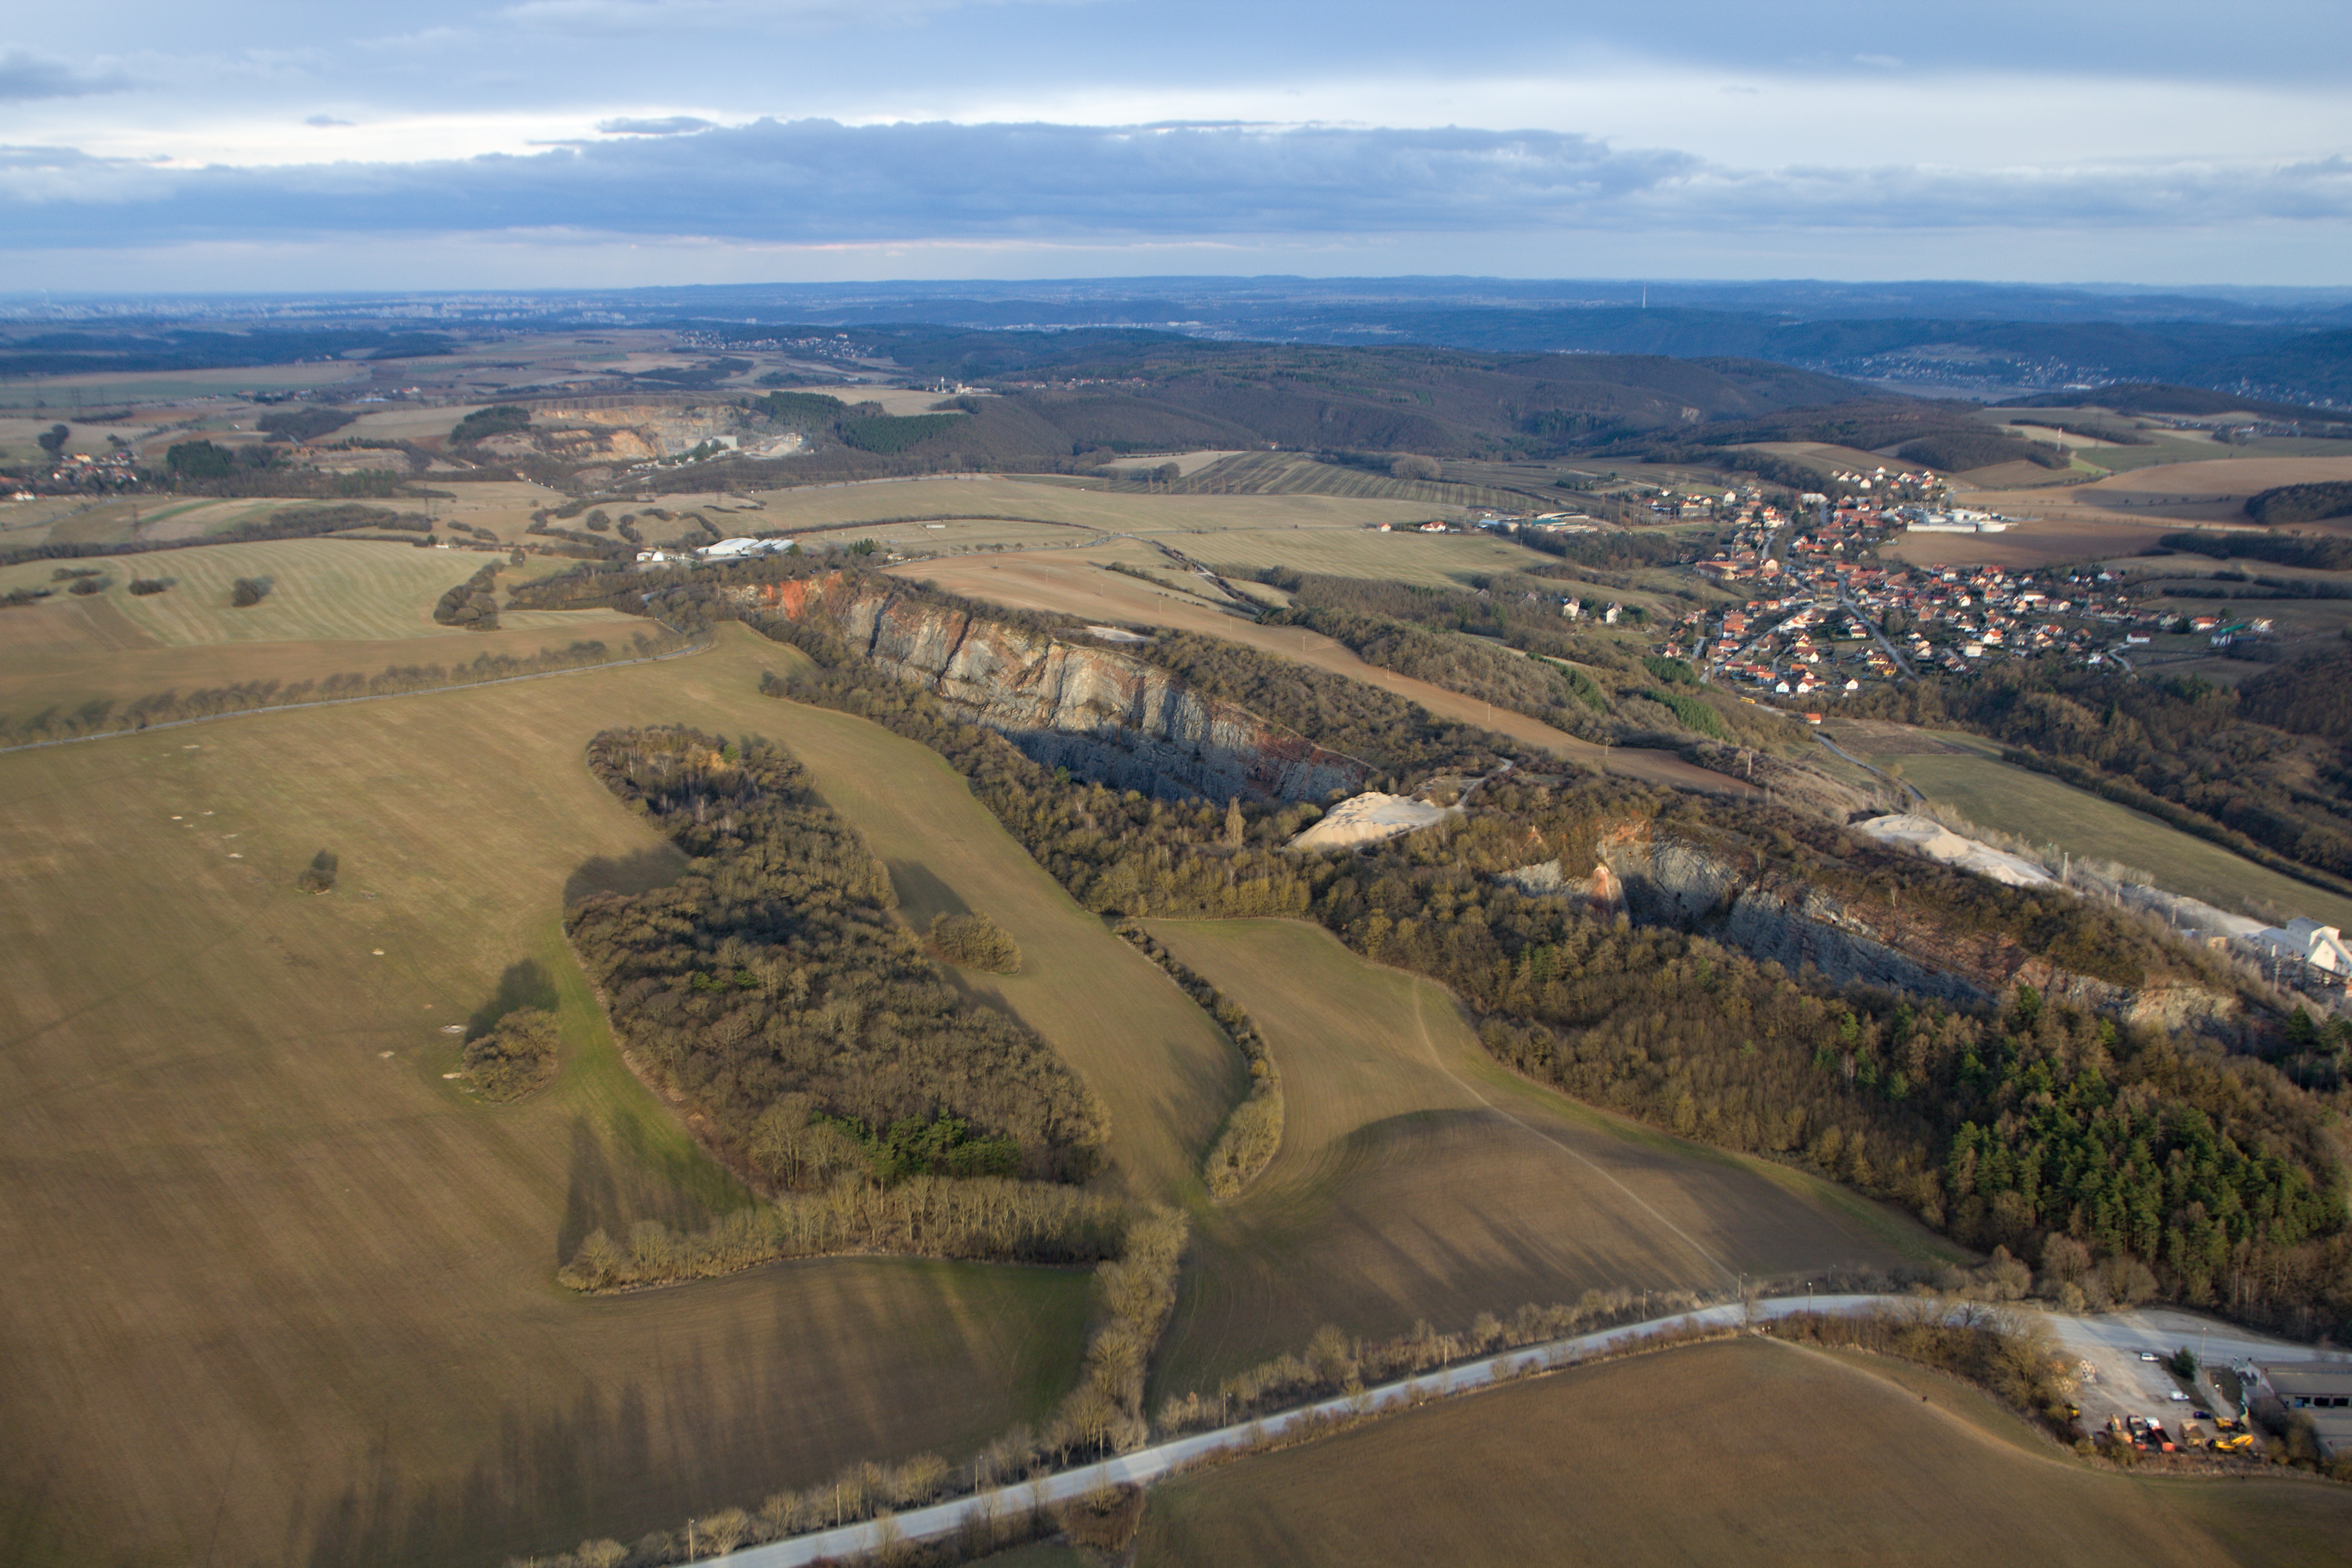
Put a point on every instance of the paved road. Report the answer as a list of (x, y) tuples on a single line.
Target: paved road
[(2125, 1332), (1857, 611)]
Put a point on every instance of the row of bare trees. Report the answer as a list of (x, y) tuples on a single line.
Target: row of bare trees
[(104, 716), (985, 1218), (1251, 1134)]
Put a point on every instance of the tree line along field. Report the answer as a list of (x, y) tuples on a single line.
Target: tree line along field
[(1417, 1180), (67, 656), (1744, 1451), (333, 607), (272, 1270)]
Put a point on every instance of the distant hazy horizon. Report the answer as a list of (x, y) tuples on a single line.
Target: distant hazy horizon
[(605, 143)]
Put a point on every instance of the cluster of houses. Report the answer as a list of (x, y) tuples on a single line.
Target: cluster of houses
[(1922, 485), (81, 471)]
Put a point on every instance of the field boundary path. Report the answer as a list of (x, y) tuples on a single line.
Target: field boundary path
[(704, 647), (1161, 1459)]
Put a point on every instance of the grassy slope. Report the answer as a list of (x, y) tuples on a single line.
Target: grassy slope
[(266, 1263), (2018, 800), (1418, 1179), (1739, 1452)]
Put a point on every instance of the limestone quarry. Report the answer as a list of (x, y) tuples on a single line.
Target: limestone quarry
[(1938, 842), (1369, 818), (1099, 712)]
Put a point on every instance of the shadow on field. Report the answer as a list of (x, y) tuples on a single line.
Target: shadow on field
[(922, 895), (524, 985), (656, 866), (612, 1189), (643, 1445)]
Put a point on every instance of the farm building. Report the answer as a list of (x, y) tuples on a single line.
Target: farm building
[(2319, 1392), (740, 549)]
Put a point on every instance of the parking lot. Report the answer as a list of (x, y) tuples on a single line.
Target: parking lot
[(2117, 1381)]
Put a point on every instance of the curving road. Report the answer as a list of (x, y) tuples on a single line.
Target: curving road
[(2096, 1338)]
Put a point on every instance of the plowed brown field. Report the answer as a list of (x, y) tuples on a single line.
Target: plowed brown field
[(1749, 1452)]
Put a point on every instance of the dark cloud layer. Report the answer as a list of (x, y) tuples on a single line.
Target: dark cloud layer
[(25, 76), (818, 181)]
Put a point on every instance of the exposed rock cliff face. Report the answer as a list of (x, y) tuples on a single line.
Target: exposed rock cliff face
[(1104, 715), (1670, 881)]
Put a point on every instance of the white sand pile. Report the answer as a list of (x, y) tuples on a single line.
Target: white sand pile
[(1367, 819), (1116, 633), (1938, 842)]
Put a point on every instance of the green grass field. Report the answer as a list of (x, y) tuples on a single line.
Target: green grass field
[(1747, 1451), (1418, 1179), (1970, 777), (1067, 501), (272, 1275), (1298, 473), (322, 588)]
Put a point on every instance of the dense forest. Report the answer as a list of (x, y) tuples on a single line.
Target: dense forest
[(2288, 504), (2279, 549), (769, 988), (2176, 1168), (1065, 402), (1958, 450)]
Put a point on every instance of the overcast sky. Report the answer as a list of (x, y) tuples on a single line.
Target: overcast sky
[(271, 146)]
